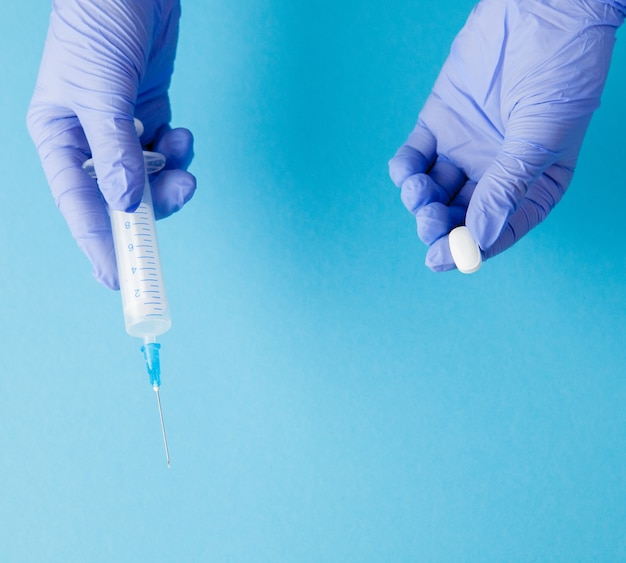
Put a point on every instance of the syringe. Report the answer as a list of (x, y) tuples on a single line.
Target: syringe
[(146, 312)]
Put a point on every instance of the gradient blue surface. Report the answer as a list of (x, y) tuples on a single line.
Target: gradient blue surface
[(327, 397)]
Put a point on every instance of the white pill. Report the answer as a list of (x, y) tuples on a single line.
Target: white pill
[(465, 252)]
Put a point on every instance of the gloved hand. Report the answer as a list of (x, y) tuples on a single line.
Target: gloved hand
[(103, 64), (497, 141)]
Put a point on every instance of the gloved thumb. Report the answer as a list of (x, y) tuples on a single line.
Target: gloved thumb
[(503, 187), (117, 156)]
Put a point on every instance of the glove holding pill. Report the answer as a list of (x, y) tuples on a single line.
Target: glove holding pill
[(497, 141)]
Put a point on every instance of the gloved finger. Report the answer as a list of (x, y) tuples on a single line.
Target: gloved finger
[(171, 189), (449, 177), (85, 212), (541, 198), (441, 184), (503, 186), (415, 156), (439, 258), (436, 220), (435, 224), (177, 146), (419, 190), (118, 157), (63, 148)]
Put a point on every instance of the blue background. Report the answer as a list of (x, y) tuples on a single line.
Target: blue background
[(327, 397)]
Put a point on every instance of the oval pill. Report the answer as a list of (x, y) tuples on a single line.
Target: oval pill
[(465, 252)]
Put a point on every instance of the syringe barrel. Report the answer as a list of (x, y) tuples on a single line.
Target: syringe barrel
[(146, 311)]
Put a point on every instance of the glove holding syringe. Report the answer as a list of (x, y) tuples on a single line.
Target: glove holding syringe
[(103, 63), (146, 311)]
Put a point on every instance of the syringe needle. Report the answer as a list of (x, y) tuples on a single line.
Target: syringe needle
[(167, 452)]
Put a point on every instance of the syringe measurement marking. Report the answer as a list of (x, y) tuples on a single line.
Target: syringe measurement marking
[(148, 265)]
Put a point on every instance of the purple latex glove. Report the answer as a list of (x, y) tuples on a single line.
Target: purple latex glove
[(103, 64), (497, 141)]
